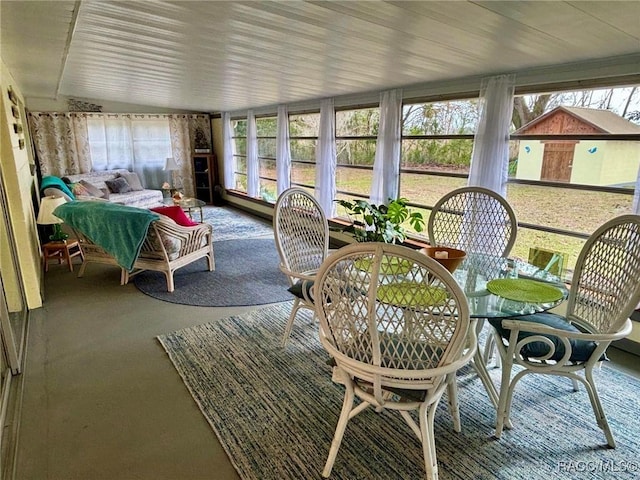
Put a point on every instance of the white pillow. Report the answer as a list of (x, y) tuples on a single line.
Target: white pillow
[(133, 180)]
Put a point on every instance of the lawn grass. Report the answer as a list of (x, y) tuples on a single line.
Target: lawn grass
[(579, 211)]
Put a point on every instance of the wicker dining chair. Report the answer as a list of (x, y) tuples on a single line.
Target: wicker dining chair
[(605, 289), (478, 221), (397, 327), (474, 219), (301, 234)]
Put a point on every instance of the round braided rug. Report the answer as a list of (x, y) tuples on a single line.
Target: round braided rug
[(246, 273)]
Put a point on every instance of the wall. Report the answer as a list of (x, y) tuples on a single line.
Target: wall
[(588, 167), (621, 163), (530, 163), (40, 104), (19, 183)]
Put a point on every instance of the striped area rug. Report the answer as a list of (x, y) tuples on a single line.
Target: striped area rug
[(275, 411)]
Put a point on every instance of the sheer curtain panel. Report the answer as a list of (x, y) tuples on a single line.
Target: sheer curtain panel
[(490, 157), (228, 160), (283, 150), (253, 169), (325, 188), (386, 168)]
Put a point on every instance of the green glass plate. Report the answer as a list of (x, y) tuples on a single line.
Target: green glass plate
[(411, 294), (389, 266), (524, 290)]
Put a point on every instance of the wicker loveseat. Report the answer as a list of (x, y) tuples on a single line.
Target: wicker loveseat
[(164, 246)]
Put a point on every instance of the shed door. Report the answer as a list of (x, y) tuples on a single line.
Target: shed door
[(557, 162)]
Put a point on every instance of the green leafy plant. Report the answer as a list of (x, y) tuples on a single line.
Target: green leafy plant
[(380, 223)]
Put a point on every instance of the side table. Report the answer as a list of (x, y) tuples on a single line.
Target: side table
[(188, 204), (61, 251)]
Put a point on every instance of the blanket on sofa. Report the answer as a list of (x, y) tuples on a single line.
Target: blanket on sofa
[(56, 182), (118, 229)]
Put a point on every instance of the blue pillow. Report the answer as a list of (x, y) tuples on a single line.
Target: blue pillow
[(56, 182), (581, 350)]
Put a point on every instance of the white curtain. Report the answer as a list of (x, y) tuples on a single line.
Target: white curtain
[(490, 158), (111, 142), (636, 196), (325, 188), (139, 143), (73, 143), (229, 160), (386, 169), (253, 169), (283, 150)]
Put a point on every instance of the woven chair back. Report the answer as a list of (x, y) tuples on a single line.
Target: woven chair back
[(301, 231), (606, 281), (390, 315)]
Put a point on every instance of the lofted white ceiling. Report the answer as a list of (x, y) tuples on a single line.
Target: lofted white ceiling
[(231, 55)]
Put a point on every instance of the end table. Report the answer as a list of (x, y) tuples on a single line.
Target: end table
[(61, 251)]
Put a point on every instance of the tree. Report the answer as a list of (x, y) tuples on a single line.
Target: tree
[(529, 107)]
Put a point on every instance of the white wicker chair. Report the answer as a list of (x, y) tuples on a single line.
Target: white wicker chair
[(167, 247), (478, 221), (397, 327), (604, 291), (301, 234), (474, 219)]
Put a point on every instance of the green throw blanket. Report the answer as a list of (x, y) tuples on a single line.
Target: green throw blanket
[(56, 182), (118, 229)]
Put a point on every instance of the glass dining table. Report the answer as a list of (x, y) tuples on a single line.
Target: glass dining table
[(494, 286), (500, 287)]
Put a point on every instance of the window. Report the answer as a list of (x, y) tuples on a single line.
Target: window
[(266, 129), (437, 142), (140, 145), (239, 129), (356, 136), (303, 135), (574, 160)]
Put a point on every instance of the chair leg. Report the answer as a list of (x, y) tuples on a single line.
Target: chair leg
[(427, 417), (598, 410), (82, 267), (289, 326), (170, 285), (481, 369), (454, 409), (490, 351), (507, 386), (347, 405)]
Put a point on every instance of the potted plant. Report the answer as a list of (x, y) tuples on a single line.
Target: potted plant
[(381, 223)]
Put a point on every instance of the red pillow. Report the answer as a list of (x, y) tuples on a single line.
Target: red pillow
[(176, 214)]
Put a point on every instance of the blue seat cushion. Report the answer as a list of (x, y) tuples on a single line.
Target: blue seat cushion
[(301, 286), (581, 350)]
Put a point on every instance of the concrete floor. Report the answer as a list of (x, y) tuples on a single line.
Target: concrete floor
[(101, 398)]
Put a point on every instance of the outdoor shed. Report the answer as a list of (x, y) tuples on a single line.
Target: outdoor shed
[(587, 162)]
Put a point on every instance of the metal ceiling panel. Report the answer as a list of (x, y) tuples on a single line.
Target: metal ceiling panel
[(232, 55)]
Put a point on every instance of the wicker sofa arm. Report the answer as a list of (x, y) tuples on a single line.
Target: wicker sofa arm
[(176, 241)]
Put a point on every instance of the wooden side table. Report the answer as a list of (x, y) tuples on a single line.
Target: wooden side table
[(61, 251)]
